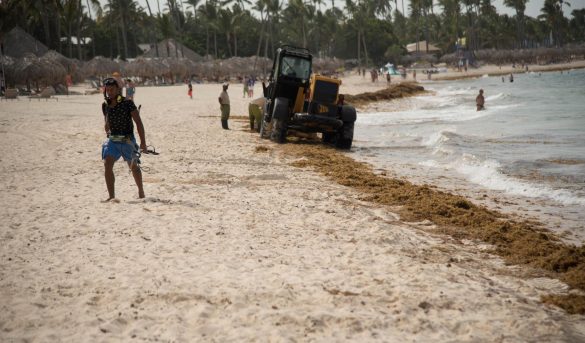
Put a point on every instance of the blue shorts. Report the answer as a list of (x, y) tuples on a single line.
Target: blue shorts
[(127, 150)]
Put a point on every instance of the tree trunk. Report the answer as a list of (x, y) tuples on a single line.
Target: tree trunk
[(359, 57), (260, 38), (124, 38), (118, 46), (153, 38), (79, 31), (365, 47), (69, 40), (206, 40), (58, 21), (45, 19), (92, 31), (426, 31), (235, 44), (215, 43), (227, 41)]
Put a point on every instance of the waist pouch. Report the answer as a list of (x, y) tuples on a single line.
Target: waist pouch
[(121, 138)]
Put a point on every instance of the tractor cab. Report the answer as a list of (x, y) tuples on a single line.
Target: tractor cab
[(290, 76), (299, 101)]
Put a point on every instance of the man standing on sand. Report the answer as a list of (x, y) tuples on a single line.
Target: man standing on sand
[(224, 105), (118, 115), (480, 101)]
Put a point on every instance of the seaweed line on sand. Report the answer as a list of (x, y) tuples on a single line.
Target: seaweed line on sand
[(518, 242), (400, 90)]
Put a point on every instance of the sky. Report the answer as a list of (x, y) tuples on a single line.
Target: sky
[(532, 7)]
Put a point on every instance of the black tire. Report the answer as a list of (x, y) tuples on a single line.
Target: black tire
[(280, 115), (345, 136), (279, 130), (264, 131), (328, 137)]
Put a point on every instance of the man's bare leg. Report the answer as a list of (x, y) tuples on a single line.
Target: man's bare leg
[(110, 178), (137, 173)]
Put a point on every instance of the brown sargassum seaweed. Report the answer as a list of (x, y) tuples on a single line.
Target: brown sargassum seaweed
[(518, 242)]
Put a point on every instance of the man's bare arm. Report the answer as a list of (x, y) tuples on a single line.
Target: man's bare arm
[(140, 129)]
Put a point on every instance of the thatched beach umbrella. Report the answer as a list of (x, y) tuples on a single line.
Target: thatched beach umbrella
[(9, 72), (175, 68), (100, 66), (69, 65), (191, 66), (327, 65), (146, 67), (449, 58), (31, 69)]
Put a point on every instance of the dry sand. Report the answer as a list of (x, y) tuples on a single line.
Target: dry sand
[(232, 243)]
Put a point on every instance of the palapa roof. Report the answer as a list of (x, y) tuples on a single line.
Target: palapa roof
[(172, 49), (18, 43), (422, 47)]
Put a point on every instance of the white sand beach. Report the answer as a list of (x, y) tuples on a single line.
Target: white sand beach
[(230, 243)]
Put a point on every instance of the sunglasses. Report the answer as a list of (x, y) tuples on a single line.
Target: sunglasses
[(110, 82)]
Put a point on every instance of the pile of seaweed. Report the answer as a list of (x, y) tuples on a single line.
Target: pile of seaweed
[(517, 242), (396, 91)]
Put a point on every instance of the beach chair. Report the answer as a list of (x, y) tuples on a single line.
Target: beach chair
[(46, 94), (10, 94)]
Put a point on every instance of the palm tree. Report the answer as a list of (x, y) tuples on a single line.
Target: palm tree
[(193, 4), (553, 15), (237, 15), (260, 6), (208, 12), (95, 4), (125, 12), (451, 14), (70, 15), (153, 36), (520, 7)]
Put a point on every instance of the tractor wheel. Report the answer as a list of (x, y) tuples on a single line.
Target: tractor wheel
[(345, 136), (264, 129), (328, 137), (279, 130), (280, 117)]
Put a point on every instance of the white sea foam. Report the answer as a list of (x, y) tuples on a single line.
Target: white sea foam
[(434, 139), (495, 96), (487, 174)]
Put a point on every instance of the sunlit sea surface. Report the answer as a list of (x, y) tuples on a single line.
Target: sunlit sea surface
[(526, 150)]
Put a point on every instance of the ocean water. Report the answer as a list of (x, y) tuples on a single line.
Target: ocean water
[(526, 148)]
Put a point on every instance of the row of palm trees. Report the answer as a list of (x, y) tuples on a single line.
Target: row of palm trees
[(366, 30)]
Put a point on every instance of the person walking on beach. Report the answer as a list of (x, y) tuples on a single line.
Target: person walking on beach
[(119, 113), (190, 91), (480, 101), (130, 89), (511, 77), (224, 104), (246, 85), (251, 82)]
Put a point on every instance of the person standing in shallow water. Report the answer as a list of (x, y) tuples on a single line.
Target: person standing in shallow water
[(119, 113), (480, 101), (224, 105)]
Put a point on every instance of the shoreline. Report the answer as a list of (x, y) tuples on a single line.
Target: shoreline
[(231, 242), (492, 70)]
